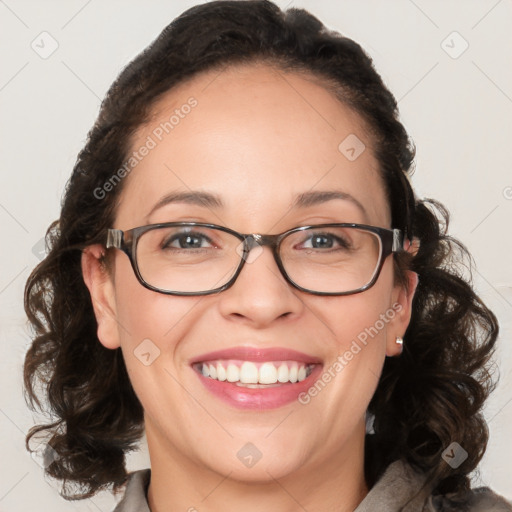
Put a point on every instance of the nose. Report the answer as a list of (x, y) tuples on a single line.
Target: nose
[(260, 294)]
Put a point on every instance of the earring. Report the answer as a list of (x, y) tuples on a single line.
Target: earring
[(370, 419), (399, 341)]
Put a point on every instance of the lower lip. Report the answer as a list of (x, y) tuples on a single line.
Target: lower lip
[(259, 398)]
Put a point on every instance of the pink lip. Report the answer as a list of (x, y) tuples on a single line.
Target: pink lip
[(257, 354), (258, 398)]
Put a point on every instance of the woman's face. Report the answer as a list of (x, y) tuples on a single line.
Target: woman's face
[(257, 138)]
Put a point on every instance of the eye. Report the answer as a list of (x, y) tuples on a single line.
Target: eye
[(326, 241), (186, 240)]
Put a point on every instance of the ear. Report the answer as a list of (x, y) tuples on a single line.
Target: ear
[(402, 306), (101, 287)]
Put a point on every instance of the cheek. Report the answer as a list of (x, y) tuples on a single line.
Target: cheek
[(151, 326), (360, 341), (363, 316), (149, 323), (142, 313), (356, 333)]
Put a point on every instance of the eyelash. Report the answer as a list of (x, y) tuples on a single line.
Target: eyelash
[(166, 243), (344, 244)]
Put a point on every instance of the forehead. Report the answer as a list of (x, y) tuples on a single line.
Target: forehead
[(257, 137)]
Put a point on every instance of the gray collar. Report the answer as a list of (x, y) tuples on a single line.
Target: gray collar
[(400, 489)]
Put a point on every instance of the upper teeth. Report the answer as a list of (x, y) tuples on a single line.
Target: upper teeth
[(248, 372)]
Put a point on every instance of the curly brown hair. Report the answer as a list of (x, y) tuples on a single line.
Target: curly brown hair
[(429, 397)]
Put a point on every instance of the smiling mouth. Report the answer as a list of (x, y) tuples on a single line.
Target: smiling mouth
[(252, 374)]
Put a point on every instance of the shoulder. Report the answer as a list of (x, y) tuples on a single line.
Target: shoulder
[(134, 498), (477, 500), (403, 488)]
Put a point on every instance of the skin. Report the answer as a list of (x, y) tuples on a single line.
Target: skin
[(258, 137)]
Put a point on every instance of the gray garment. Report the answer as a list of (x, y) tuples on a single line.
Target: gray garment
[(398, 490)]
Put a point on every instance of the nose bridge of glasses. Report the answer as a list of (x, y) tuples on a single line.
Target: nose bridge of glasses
[(256, 239)]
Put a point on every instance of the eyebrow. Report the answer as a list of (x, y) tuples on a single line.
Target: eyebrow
[(204, 199), (315, 197), (213, 201)]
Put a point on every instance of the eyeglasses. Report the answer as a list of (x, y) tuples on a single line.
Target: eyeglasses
[(194, 258)]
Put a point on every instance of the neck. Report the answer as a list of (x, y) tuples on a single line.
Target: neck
[(335, 483)]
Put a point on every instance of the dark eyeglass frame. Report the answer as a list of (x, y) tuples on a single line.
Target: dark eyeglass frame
[(391, 241)]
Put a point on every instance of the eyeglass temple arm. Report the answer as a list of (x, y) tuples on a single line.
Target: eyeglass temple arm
[(398, 240), (114, 238)]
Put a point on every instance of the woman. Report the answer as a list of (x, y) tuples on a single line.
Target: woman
[(241, 270)]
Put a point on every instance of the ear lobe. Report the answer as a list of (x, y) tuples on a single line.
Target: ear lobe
[(402, 306), (101, 287)]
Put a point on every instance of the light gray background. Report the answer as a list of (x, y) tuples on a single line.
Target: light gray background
[(457, 110)]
